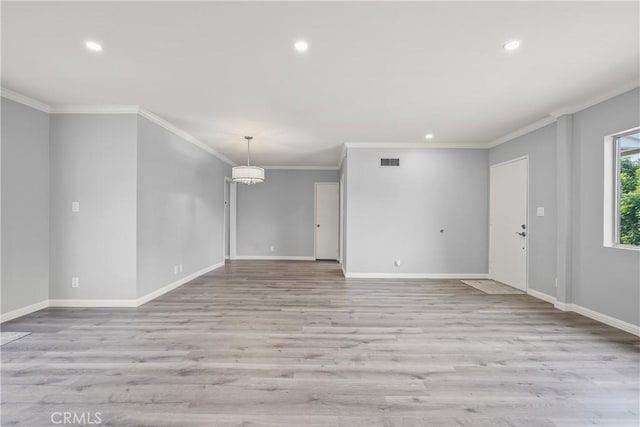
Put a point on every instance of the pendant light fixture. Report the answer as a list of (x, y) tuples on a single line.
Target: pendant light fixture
[(248, 174)]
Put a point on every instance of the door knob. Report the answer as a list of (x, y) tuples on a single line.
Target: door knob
[(318, 225)]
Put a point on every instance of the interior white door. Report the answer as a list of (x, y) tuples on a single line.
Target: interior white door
[(327, 220), (508, 223)]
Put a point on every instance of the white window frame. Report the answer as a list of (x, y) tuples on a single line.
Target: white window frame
[(612, 190)]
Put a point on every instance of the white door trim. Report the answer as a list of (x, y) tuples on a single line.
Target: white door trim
[(233, 217), (231, 199), (315, 214), (516, 159), (341, 219), (491, 169), (315, 219), (225, 198)]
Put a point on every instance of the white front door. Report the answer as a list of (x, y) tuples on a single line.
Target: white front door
[(508, 223), (327, 214)]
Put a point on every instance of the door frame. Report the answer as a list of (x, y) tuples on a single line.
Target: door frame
[(315, 216), (341, 219), (491, 168), (231, 199)]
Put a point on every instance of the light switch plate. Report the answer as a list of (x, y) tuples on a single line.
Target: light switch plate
[(180, 267), (75, 206), (540, 212)]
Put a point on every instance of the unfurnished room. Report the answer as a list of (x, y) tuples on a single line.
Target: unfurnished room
[(320, 213)]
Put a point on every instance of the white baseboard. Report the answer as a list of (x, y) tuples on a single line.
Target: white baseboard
[(562, 306), (603, 318), (587, 312), (592, 314), (416, 275), (171, 286), (14, 314), (274, 258), (541, 295), (92, 303), (113, 303)]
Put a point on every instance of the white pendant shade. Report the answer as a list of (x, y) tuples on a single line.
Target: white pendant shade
[(247, 174)]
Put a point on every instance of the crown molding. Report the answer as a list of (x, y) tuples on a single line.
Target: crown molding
[(111, 109), (184, 135), (572, 109), (568, 109), (343, 155), (310, 168), (25, 100), (135, 109), (95, 109), (522, 131), (412, 145)]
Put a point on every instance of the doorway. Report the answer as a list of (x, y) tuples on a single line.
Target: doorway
[(326, 220), (508, 222)]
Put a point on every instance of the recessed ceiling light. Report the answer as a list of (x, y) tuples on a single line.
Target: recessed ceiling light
[(301, 46), (429, 136), (93, 46), (511, 45)]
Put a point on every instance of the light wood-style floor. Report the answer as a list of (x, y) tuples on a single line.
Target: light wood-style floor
[(262, 343)]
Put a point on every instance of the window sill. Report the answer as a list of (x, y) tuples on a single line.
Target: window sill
[(624, 247)]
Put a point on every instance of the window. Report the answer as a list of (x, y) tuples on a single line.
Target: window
[(622, 153)]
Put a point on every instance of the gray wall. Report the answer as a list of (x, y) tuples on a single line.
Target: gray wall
[(279, 213), (397, 213), (25, 206), (137, 182), (180, 211), (606, 280), (540, 147), (93, 161)]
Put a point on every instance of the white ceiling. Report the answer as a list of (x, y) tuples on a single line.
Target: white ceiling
[(374, 72)]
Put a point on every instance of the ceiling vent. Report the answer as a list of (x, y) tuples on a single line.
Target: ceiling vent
[(389, 162)]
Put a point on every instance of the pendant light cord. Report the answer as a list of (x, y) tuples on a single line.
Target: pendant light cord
[(248, 138)]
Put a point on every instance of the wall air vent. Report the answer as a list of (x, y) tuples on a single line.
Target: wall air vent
[(389, 162)]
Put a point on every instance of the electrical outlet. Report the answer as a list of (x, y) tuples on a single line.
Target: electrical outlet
[(180, 267), (75, 282), (175, 269), (272, 248), (75, 206)]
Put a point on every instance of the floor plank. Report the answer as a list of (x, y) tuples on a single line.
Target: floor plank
[(278, 343)]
